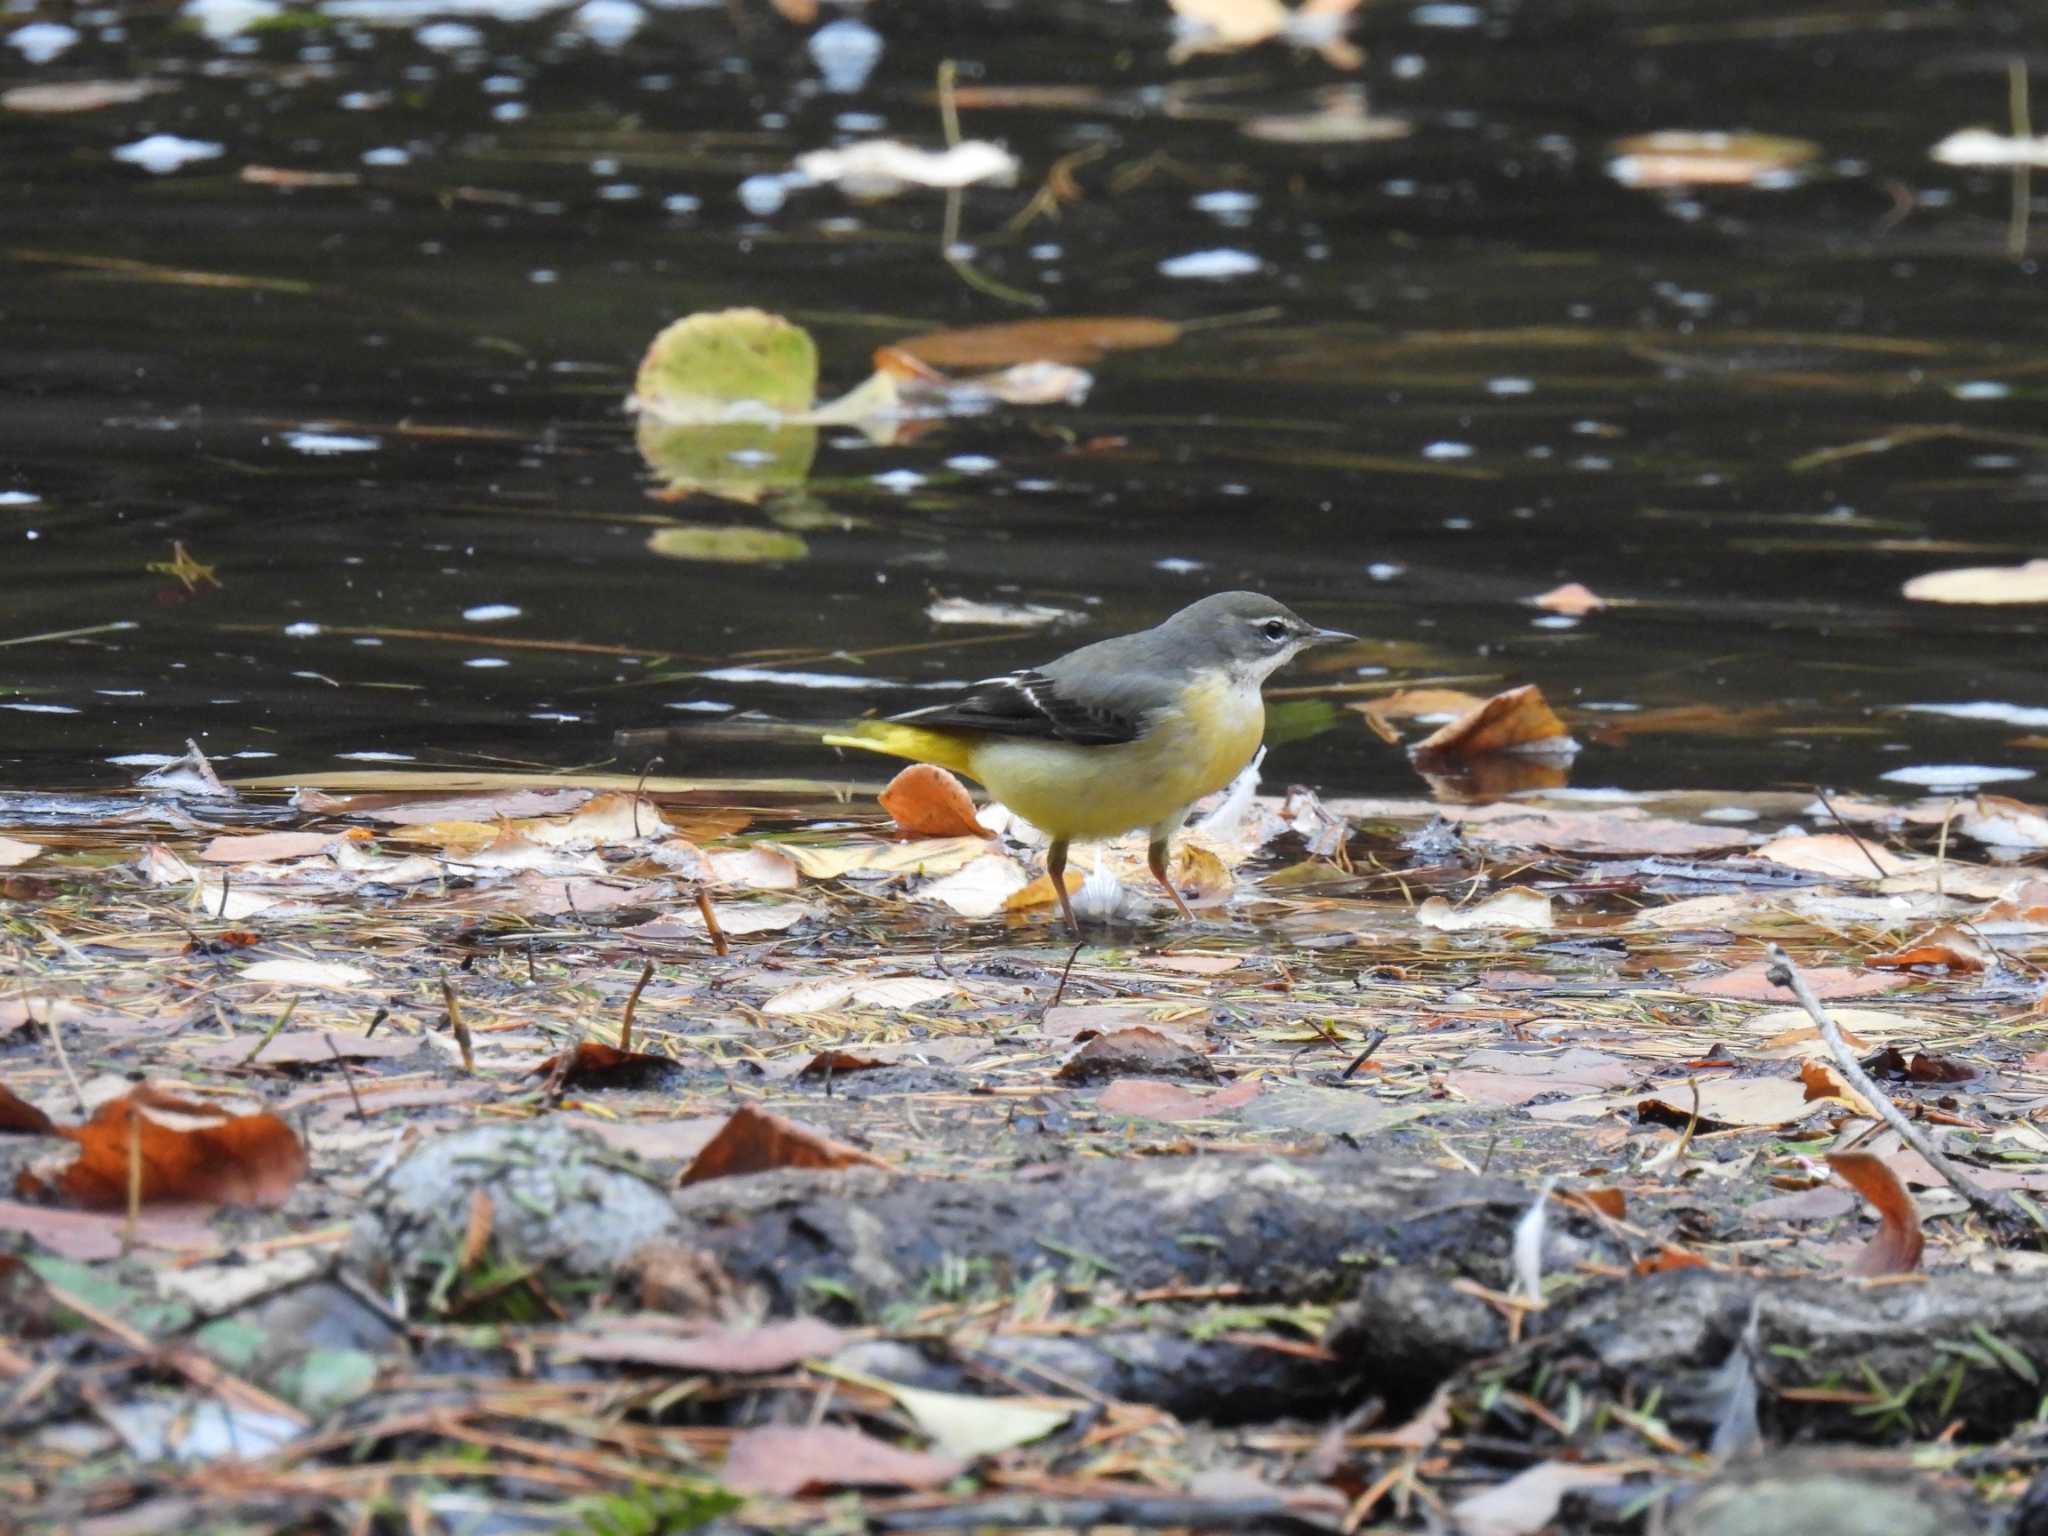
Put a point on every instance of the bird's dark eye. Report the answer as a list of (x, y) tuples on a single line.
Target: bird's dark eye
[(1274, 630)]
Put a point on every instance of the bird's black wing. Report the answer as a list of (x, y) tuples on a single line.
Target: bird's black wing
[(1031, 704)]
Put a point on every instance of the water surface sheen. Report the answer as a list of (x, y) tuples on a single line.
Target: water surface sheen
[(1443, 372)]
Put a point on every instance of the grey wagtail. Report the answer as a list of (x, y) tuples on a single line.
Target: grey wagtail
[(1121, 734)]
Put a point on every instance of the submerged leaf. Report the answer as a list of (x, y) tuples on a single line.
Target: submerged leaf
[(732, 545), (1066, 339)]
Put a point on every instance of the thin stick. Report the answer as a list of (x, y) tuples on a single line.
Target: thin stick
[(2022, 171), (632, 1002), (346, 1076), (1861, 846), (134, 1181), (1785, 974), (1060, 991), (28, 1013), (719, 945), (456, 1023), (270, 1034), (1377, 1039)]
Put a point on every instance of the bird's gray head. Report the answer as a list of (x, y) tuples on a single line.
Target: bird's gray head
[(1247, 632)]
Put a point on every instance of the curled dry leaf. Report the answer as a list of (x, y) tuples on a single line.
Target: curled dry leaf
[(1947, 946), (1982, 584), (928, 801), (754, 1141), (1517, 907), (1897, 1247), (1137, 1051), (1519, 720)]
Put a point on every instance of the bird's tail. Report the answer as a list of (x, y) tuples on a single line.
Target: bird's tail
[(885, 736)]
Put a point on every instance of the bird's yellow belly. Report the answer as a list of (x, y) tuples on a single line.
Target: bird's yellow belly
[(1091, 792)]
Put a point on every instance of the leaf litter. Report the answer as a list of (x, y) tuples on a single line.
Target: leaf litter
[(596, 1063)]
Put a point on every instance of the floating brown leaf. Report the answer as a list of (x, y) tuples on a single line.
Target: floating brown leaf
[(784, 1460), (1896, 1248), (1067, 339), (188, 1151), (754, 1141), (930, 802), (1519, 720)]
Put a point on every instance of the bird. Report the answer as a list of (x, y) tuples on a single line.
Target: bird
[(1126, 733)]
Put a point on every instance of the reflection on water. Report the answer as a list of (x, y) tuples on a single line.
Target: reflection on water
[(346, 300)]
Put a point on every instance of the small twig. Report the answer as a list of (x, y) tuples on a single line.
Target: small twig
[(270, 1034), (28, 1013), (376, 1018), (2022, 171), (346, 1075), (128, 1228), (1785, 974), (632, 1002), (1373, 1042), (1861, 846), (719, 946), (1941, 854), (456, 1023), (646, 769), (1066, 970)]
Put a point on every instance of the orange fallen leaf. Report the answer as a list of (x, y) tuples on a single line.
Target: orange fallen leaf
[(1946, 946), (1897, 1247), (1380, 714), (1604, 1198), (754, 1141), (21, 1118), (929, 802), (187, 1152), (1519, 720), (593, 1064)]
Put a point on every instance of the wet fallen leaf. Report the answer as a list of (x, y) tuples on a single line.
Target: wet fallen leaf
[(754, 869), (188, 1151), (1946, 946), (1501, 1076), (1625, 831), (1766, 1101), (1518, 720), (1138, 1051), (2021, 908), (1897, 1247), (825, 996), (1821, 1081), (608, 820), (736, 919), (20, 1118), (879, 168), (1685, 158), (1836, 854), (265, 847), (743, 1351), (1517, 907), (2003, 822), (754, 1141), (14, 852), (1752, 983), (990, 884), (2026, 583), (1149, 1099), (929, 802), (726, 545), (782, 1461), (1065, 339), (307, 973), (299, 1047), (1573, 597)]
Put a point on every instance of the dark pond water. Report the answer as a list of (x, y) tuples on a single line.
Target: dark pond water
[(1439, 373)]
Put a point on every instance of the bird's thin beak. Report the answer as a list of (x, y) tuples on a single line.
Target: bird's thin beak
[(1327, 637)]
